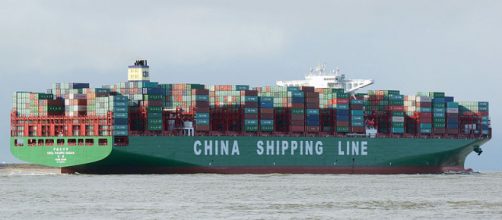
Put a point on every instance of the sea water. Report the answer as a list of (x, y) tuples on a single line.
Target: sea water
[(45, 194)]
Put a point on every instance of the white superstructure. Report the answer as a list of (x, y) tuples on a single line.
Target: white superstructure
[(318, 77)]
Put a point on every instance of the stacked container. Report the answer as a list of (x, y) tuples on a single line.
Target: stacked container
[(342, 111), (357, 116), (249, 100), (452, 118), (424, 114), (396, 111), (410, 115), (266, 113), (296, 98), (200, 101), (438, 112), (119, 107), (312, 114)]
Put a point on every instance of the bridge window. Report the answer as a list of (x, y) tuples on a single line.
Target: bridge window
[(40, 142), (49, 142), (32, 142), (80, 142), (72, 142), (103, 142), (60, 142), (89, 142), (19, 142)]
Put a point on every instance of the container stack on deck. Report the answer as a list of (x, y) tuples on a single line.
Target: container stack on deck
[(452, 118), (266, 113), (141, 107), (342, 111), (312, 113), (474, 117), (249, 101), (396, 112), (424, 112), (357, 116)]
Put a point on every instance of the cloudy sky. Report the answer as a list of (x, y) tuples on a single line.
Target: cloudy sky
[(451, 46)]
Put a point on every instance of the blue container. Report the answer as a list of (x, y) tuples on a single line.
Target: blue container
[(357, 118), (250, 110), (357, 112), (251, 99), (267, 122), (356, 102), (120, 121), (267, 104), (342, 112), (449, 99), (202, 121), (297, 94), (312, 112), (297, 100), (438, 100), (342, 118), (293, 89), (357, 123), (201, 115), (342, 106)]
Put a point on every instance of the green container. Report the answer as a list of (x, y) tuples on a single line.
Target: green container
[(266, 128), (251, 128), (342, 129), (250, 122), (202, 121), (297, 111), (154, 109), (251, 110), (154, 127)]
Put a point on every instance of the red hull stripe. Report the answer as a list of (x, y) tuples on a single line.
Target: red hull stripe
[(264, 170)]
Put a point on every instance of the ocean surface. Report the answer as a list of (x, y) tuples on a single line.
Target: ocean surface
[(45, 194)]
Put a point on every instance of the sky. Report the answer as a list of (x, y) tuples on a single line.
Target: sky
[(452, 46)]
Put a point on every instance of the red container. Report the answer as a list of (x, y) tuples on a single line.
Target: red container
[(200, 92), (297, 123), (307, 89), (296, 128), (250, 116), (251, 105), (358, 129), (342, 123), (452, 131), (297, 117), (266, 116), (249, 93), (396, 108), (313, 128), (438, 130)]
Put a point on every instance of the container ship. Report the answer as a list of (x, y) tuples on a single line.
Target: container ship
[(318, 125)]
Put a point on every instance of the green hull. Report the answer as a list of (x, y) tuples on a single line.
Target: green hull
[(164, 154), (59, 152)]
